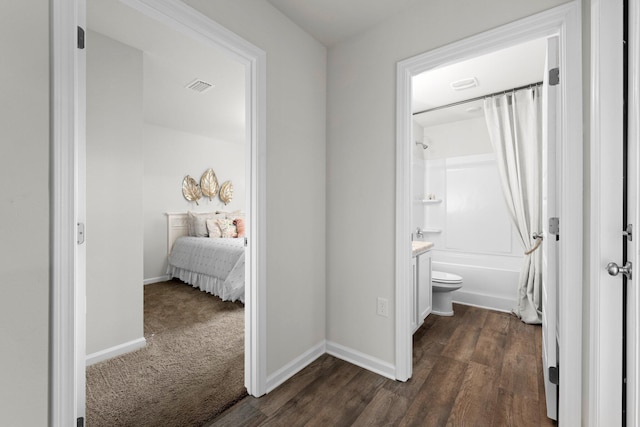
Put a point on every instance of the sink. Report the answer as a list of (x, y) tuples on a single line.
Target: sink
[(418, 247)]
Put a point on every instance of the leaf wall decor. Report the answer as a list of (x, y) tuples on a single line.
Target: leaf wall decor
[(209, 184), (191, 190), (226, 192)]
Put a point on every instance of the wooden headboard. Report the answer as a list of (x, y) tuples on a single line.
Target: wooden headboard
[(176, 227)]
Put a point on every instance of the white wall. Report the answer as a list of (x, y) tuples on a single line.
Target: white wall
[(114, 193), (459, 138), (296, 159), (24, 212), (362, 119), (169, 155)]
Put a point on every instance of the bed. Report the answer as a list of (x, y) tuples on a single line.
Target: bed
[(214, 265)]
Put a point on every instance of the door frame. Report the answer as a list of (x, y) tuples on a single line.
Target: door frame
[(564, 21), (633, 295), (67, 288)]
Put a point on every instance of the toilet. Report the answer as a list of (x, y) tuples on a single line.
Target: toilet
[(442, 286)]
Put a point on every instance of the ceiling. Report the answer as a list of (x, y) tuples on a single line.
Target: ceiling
[(333, 21), (498, 71), (171, 61)]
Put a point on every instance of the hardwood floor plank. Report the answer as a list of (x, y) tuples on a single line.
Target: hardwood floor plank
[(462, 343), (515, 411), (442, 329), (475, 317), (422, 367), (520, 338), (433, 402), (241, 414), (477, 368), (489, 349), (303, 407), (348, 401), (386, 409), (474, 405), (460, 309), (281, 395), (519, 375), (498, 321)]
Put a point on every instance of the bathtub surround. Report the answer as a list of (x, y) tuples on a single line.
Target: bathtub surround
[(515, 129), (467, 220)]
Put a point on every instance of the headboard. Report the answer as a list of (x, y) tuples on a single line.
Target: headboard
[(176, 227)]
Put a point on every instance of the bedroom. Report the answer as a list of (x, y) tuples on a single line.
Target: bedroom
[(145, 133)]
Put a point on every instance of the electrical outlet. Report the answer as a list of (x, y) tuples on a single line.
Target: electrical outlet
[(383, 307)]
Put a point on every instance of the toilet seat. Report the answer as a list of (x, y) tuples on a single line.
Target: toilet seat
[(445, 278)]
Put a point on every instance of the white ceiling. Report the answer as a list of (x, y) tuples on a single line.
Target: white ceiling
[(171, 61), (332, 21), (505, 69)]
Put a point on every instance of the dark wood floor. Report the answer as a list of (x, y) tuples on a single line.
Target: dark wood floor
[(479, 368)]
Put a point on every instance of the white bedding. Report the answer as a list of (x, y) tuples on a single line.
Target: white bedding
[(213, 265)]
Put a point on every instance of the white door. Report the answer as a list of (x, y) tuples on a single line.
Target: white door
[(549, 244), (606, 241)]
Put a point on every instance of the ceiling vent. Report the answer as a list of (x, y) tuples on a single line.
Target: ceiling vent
[(199, 86), (467, 83)]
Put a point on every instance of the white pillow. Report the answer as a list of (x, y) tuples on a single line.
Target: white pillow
[(197, 223), (213, 227)]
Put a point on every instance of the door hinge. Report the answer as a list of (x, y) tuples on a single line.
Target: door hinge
[(80, 38), (554, 227), (554, 76), (80, 235), (80, 422), (554, 375)]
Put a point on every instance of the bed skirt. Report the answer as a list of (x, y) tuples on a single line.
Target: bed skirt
[(209, 284)]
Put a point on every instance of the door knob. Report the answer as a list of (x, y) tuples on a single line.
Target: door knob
[(614, 269)]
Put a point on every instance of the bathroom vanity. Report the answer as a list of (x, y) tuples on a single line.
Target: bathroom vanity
[(421, 252)]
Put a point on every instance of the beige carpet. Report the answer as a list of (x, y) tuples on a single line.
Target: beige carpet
[(191, 369)]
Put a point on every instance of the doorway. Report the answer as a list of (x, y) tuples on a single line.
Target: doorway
[(563, 21), (148, 127), (68, 283)]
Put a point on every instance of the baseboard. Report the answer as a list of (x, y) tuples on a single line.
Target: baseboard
[(156, 280), (295, 366), (117, 350), (365, 361), (484, 301)]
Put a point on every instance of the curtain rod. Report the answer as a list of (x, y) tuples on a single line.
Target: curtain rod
[(453, 104)]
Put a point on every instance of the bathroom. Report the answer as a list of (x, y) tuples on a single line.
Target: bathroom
[(457, 197)]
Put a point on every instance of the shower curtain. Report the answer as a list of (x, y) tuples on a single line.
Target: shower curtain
[(514, 121)]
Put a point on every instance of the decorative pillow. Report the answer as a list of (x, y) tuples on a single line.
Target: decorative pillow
[(197, 223), (227, 228), (232, 215), (239, 223), (213, 228)]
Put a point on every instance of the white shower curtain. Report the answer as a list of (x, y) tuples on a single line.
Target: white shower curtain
[(514, 121)]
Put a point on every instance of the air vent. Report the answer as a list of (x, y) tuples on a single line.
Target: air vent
[(199, 86), (467, 83)]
